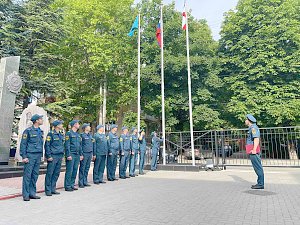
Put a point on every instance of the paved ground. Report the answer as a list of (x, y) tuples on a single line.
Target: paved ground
[(220, 197)]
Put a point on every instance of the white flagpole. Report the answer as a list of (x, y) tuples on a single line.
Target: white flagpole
[(163, 85), (189, 87), (139, 75)]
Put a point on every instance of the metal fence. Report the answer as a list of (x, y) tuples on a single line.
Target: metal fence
[(280, 146)]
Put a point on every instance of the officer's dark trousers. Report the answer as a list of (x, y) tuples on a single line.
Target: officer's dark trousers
[(112, 166), (257, 166), (31, 174), (133, 159), (142, 161), (53, 171), (71, 171), (123, 164), (84, 168), (99, 167), (154, 159)]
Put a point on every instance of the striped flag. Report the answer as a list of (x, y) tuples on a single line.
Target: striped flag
[(184, 19), (158, 34)]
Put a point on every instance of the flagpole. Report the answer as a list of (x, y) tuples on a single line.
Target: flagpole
[(189, 87), (163, 120), (139, 75)]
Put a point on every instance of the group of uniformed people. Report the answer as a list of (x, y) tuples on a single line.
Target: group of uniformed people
[(80, 149)]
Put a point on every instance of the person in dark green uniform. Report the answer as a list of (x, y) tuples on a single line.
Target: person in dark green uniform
[(125, 149), (87, 151), (134, 151), (143, 145), (31, 150), (99, 155), (253, 146), (54, 152), (113, 151), (73, 153)]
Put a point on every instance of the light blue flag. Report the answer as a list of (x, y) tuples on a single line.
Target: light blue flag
[(135, 26)]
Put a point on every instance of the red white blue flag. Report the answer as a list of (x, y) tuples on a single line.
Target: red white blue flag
[(158, 34)]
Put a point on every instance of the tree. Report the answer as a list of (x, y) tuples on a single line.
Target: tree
[(260, 47)]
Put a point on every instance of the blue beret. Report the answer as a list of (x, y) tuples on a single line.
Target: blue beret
[(251, 118), (85, 125), (113, 126), (99, 126), (72, 123), (132, 129), (57, 122), (124, 128), (35, 117)]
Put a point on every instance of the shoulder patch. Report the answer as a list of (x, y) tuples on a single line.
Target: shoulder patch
[(253, 131), (24, 136), (121, 139), (48, 138), (130, 138), (67, 137), (107, 137), (93, 140)]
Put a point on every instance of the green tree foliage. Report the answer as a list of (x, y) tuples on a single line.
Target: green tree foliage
[(260, 46)]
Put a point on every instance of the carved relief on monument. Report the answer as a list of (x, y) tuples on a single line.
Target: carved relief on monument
[(14, 82)]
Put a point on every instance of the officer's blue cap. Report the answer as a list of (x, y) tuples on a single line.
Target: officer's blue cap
[(57, 122), (113, 126), (124, 128), (251, 118), (99, 126), (36, 117), (132, 129), (85, 125), (72, 123)]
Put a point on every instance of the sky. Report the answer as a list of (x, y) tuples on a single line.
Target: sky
[(211, 10)]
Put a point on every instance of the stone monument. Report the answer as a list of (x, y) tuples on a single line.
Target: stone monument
[(25, 122), (10, 85)]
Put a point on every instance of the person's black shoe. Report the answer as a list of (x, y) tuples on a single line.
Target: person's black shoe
[(97, 183), (127, 177), (75, 188), (142, 173), (35, 197), (49, 194), (254, 185), (55, 193), (69, 189), (102, 182), (132, 175), (257, 187), (80, 186), (116, 179), (26, 199), (110, 179), (87, 185), (123, 178)]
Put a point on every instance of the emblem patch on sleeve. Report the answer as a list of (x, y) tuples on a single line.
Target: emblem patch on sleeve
[(121, 139), (48, 138), (67, 138), (24, 136), (107, 137), (253, 131)]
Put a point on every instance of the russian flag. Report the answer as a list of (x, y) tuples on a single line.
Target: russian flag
[(158, 34)]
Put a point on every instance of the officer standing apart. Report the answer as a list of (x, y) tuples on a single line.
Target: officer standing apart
[(87, 151), (99, 155), (143, 145), (155, 149), (113, 151), (54, 152), (31, 150), (73, 152), (252, 143), (125, 150), (134, 152)]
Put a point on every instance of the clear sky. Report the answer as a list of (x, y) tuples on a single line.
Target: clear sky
[(211, 10)]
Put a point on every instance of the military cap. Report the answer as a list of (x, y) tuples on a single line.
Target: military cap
[(113, 126), (57, 122), (99, 126), (132, 129), (124, 128), (251, 118), (85, 125), (73, 122), (36, 117)]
